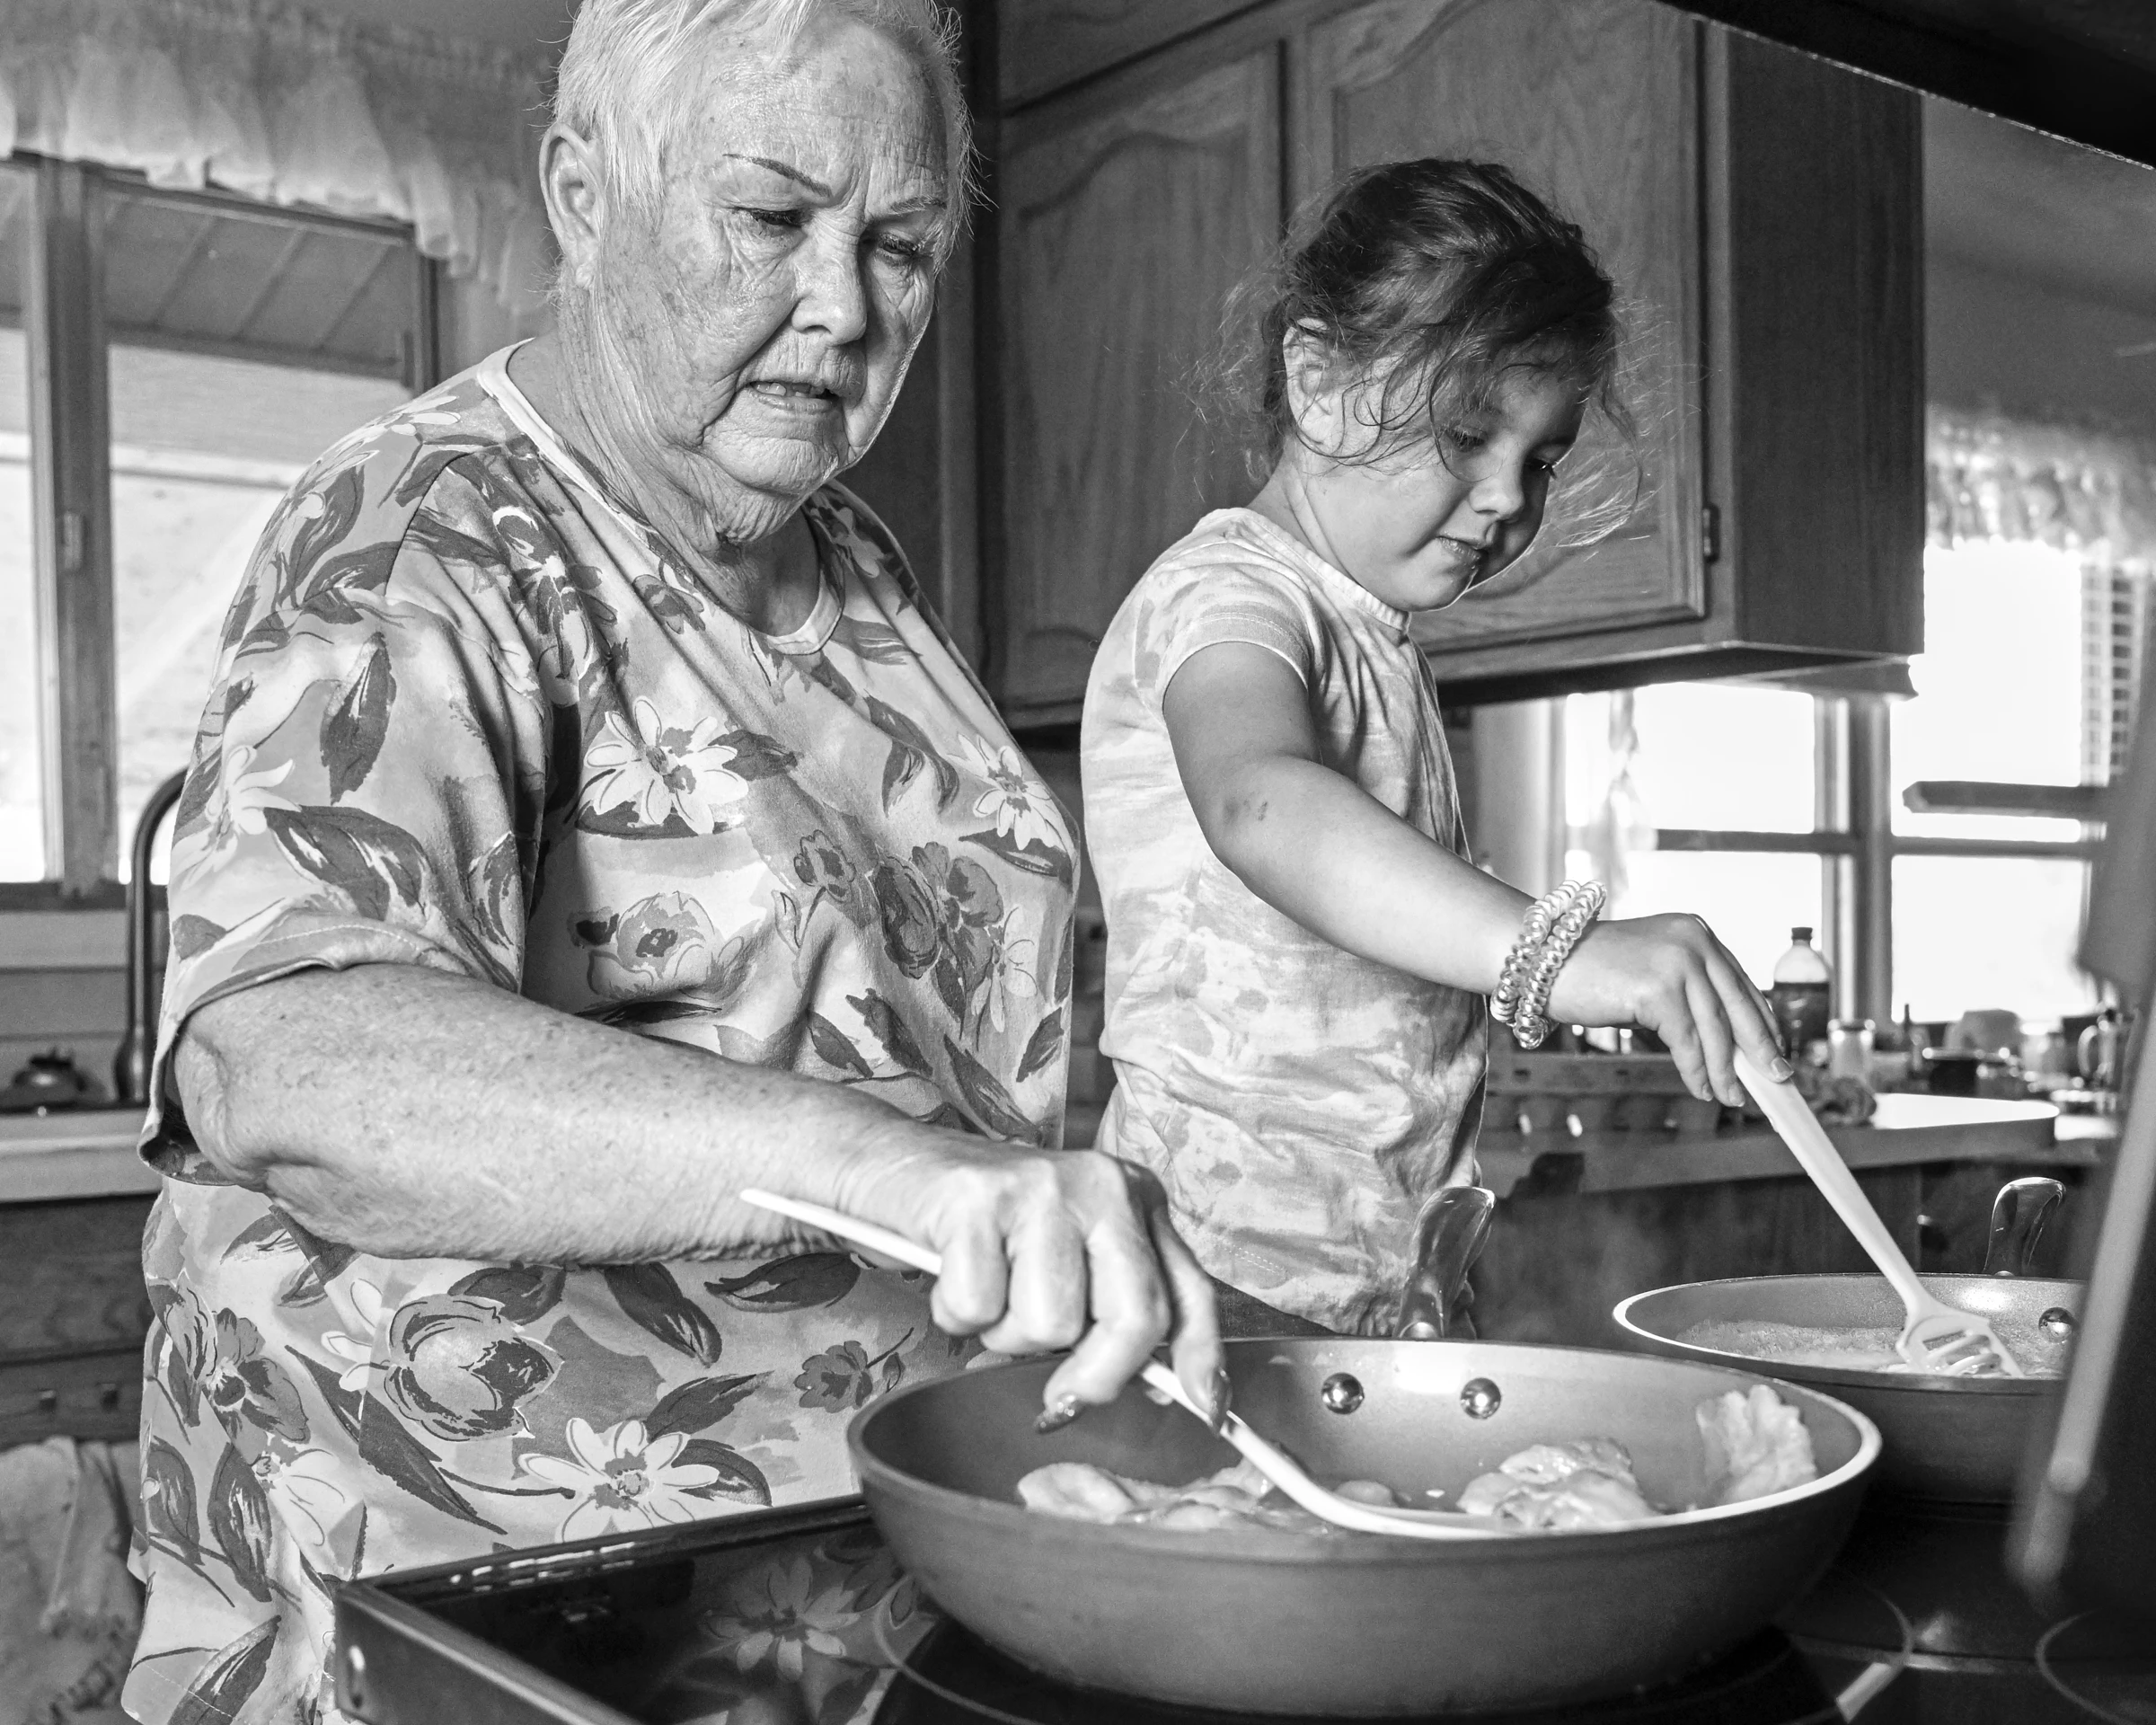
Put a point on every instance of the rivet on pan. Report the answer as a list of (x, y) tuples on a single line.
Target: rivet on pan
[(1342, 1393), (1479, 1398), (2057, 1323)]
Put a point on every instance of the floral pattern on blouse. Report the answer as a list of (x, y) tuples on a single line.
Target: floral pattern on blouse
[(469, 715)]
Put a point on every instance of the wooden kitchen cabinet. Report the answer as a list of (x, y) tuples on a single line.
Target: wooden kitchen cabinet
[(73, 1317), (1762, 210), (1611, 137), (1045, 45), (1125, 216)]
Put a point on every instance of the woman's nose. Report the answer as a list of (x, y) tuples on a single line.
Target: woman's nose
[(834, 290)]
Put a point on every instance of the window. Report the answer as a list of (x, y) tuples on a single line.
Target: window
[(170, 363), (1939, 844)]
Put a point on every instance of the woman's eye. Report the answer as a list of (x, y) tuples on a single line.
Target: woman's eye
[(899, 249), (1460, 438), (778, 220)]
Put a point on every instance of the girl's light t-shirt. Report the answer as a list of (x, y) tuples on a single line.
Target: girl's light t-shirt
[(1300, 1104)]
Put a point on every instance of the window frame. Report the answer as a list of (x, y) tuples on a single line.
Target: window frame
[(72, 607), (1854, 839)]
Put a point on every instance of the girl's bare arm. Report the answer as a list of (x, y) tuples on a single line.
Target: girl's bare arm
[(1318, 848)]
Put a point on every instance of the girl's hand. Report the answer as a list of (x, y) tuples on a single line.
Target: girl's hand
[(1670, 975), (1047, 1249)]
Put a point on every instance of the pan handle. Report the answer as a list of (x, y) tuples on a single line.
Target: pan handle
[(2017, 1217), (1448, 1238)]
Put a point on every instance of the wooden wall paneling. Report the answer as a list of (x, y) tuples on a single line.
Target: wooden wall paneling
[(1125, 218), (1593, 103), (71, 1275), (70, 454), (1048, 44), (1817, 338)]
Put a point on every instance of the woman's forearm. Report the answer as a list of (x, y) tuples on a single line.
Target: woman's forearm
[(424, 1115), (412, 1114), (1319, 849)]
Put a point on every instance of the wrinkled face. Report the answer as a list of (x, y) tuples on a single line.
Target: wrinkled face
[(764, 310), (1421, 528)]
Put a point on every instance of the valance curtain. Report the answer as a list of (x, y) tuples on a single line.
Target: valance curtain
[(1994, 480), (267, 99), (1991, 478)]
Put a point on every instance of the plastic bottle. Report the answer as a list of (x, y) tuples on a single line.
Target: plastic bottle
[(1801, 997)]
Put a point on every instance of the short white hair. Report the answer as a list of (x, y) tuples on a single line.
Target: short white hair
[(620, 86)]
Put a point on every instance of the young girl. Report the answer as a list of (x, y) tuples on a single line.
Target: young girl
[(1301, 959)]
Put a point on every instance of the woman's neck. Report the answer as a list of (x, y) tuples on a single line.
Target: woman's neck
[(769, 578)]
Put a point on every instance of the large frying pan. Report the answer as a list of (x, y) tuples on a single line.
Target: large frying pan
[(1352, 1626), (1957, 1439)]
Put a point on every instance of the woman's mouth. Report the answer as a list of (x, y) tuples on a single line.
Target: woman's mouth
[(790, 391)]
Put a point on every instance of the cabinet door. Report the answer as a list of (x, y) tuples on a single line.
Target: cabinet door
[(1593, 103), (1123, 224), (1043, 45)]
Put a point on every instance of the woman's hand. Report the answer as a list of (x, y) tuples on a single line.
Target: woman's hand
[(1044, 1250), (1670, 975)]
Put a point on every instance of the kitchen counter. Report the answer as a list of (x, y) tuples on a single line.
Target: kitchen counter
[(1908, 1130), (72, 1153)]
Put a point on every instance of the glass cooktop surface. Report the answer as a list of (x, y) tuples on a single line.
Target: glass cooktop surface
[(802, 1617)]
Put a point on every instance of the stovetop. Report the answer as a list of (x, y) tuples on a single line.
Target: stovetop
[(802, 1617)]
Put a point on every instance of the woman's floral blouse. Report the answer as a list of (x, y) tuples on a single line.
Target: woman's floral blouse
[(471, 715)]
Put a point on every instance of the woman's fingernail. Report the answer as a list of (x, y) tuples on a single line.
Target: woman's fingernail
[(1782, 1070), (1223, 1394), (1059, 1414)]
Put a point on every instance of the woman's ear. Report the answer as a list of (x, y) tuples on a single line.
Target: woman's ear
[(576, 197), (1314, 399)]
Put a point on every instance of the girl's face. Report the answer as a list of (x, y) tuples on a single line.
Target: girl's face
[(1420, 528)]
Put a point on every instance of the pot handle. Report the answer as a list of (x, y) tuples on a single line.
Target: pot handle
[(2017, 1217), (1449, 1236)]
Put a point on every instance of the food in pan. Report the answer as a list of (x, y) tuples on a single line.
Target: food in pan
[(1754, 1443), (1861, 1347), (1587, 1484), (1235, 1497)]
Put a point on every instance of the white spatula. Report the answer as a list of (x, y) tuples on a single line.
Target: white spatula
[(1938, 1337), (1293, 1483)]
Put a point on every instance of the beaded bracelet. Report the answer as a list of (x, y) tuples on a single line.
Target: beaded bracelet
[(1519, 963), (1551, 928), (1564, 935)]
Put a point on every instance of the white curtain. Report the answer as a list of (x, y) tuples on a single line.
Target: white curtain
[(267, 99), (1993, 480)]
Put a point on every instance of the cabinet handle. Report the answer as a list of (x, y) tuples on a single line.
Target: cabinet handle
[(1710, 533)]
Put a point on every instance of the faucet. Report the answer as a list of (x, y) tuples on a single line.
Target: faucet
[(138, 1038)]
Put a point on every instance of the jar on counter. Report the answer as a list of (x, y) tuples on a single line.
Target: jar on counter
[(1849, 1048)]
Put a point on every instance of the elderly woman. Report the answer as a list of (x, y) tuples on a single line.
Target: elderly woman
[(589, 821)]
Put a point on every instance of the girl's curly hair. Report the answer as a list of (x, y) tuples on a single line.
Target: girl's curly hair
[(1428, 280)]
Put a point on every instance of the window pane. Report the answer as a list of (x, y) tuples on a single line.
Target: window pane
[(202, 448), (1700, 755), (243, 344), (1999, 684), (1749, 899), (1971, 933), (21, 800)]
